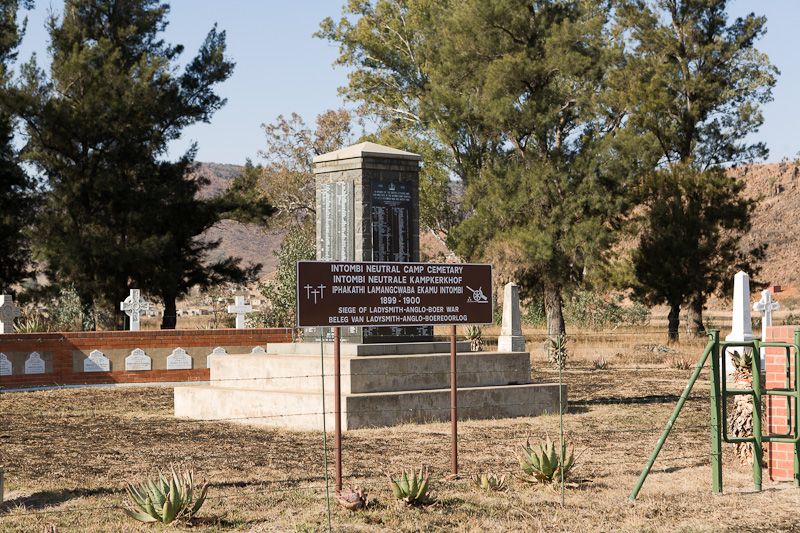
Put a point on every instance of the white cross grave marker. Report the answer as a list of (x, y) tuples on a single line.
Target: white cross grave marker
[(134, 307), (8, 312), (240, 309), (766, 305)]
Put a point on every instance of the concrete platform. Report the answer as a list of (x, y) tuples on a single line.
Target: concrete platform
[(281, 389), (302, 410)]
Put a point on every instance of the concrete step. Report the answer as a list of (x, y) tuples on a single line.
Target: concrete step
[(302, 410), (369, 374), (352, 349)]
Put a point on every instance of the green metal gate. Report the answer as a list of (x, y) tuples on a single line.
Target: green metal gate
[(718, 407)]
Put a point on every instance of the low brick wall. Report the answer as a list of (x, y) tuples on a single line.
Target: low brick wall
[(780, 456), (63, 354)]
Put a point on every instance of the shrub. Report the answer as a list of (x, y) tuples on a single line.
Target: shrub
[(298, 245)]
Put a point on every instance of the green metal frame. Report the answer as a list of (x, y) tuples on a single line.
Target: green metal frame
[(718, 408)]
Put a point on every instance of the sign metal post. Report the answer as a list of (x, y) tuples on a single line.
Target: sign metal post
[(453, 404)]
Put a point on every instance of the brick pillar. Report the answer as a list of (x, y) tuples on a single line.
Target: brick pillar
[(780, 456)]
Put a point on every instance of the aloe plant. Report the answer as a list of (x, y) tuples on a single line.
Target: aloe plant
[(412, 487), (543, 464), (490, 482), (166, 499)]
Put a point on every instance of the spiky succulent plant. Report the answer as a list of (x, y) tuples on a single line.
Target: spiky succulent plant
[(475, 336), (411, 487), (490, 482), (543, 463), (169, 498)]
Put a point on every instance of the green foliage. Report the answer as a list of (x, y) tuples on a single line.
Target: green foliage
[(171, 497), (490, 482), (64, 312), (693, 84), (588, 309), (116, 213), (298, 245), (543, 464), (507, 92), (287, 178), (411, 487), (17, 190)]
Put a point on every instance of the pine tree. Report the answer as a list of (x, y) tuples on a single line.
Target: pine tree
[(509, 88), (693, 85), (16, 188), (118, 214)]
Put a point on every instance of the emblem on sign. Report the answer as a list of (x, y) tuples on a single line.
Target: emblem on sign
[(477, 296)]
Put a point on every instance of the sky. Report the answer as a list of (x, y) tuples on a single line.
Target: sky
[(281, 68)]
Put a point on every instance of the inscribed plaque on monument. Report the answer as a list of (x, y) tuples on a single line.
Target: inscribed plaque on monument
[(138, 361), (392, 294), (96, 362), (179, 360), (336, 239), (34, 364), (5, 365), (391, 220)]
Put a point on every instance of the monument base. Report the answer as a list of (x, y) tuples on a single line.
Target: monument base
[(381, 386)]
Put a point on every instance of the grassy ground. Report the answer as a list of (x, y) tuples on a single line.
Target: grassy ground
[(67, 454)]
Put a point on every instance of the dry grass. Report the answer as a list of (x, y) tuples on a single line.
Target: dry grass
[(68, 452)]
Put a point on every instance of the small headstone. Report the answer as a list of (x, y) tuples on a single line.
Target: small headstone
[(240, 309), (138, 360), (134, 306), (511, 339), (179, 360), (34, 364), (742, 326), (5, 365), (8, 312), (219, 350), (258, 350), (96, 362)]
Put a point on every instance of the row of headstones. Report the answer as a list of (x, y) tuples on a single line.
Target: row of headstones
[(138, 360)]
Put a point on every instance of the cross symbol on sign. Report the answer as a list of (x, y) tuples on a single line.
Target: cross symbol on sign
[(134, 307), (318, 292), (8, 312)]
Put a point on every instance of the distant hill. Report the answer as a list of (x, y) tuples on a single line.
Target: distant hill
[(776, 222), (247, 241)]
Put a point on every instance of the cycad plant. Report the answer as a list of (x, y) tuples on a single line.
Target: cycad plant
[(475, 337), (412, 488), (556, 348), (169, 498), (490, 482), (543, 463), (740, 418)]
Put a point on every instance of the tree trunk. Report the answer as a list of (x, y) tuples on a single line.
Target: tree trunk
[(694, 318), (674, 318), (553, 309), (88, 321), (170, 318)]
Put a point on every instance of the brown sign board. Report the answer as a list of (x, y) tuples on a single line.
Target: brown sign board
[(366, 293)]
